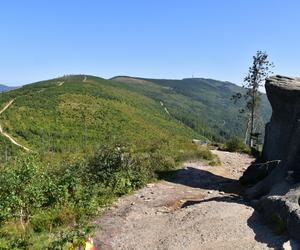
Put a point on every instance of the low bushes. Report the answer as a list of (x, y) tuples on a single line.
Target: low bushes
[(39, 200), (236, 145)]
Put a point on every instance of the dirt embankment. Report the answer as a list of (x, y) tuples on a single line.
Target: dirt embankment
[(199, 207)]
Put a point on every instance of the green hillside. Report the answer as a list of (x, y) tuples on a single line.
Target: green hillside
[(72, 116), (202, 104)]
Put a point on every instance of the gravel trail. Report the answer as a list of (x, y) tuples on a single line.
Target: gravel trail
[(199, 207)]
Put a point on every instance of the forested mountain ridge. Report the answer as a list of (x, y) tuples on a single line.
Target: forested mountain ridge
[(75, 114), (205, 105)]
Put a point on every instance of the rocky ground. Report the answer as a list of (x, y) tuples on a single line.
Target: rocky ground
[(199, 207)]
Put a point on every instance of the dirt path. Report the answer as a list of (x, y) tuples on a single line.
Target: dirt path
[(198, 208), (9, 137), (84, 79), (7, 106), (167, 111)]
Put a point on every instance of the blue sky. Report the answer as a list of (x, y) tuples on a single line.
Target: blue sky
[(147, 38)]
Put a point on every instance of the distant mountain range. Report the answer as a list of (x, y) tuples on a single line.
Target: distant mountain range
[(5, 88)]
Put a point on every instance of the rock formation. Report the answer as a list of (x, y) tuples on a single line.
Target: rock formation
[(278, 193)]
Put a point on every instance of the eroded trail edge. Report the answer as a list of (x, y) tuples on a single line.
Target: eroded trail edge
[(199, 207)]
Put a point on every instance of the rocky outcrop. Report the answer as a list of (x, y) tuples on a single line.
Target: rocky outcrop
[(279, 191), (282, 135), (257, 172)]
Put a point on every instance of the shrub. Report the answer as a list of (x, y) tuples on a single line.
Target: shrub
[(215, 162), (194, 152), (236, 145), (41, 198), (123, 171), (45, 220), (21, 189)]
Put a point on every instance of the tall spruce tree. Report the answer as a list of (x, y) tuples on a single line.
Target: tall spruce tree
[(258, 72)]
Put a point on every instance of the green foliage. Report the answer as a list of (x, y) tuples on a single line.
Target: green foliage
[(236, 145), (45, 220), (42, 198), (72, 120), (202, 104), (280, 226), (258, 72), (71, 238), (21, 189)]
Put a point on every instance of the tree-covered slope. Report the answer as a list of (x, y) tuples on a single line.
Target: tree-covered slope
[(71, 116), (205, 105)]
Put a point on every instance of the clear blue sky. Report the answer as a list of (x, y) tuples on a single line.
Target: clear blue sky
[(147, 38)]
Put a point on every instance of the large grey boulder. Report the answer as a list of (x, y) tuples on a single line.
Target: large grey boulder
[(258, 171), (279, 191), (282, 135)]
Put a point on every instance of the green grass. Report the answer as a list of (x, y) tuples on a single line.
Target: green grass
[(236, 145)]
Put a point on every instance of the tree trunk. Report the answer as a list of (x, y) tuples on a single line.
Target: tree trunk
[(253, 106), (247, 130), (252, 125)]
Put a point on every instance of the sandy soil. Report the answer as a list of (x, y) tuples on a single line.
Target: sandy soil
[(199, 207)]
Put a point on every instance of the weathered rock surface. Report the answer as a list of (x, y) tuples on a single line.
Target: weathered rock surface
[(283, 131), (279, 192), (257, 172)]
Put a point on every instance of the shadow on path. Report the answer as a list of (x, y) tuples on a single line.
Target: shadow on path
[(203, 179), (199, 178)]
